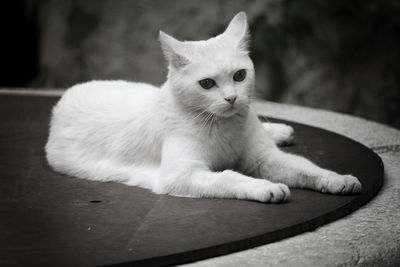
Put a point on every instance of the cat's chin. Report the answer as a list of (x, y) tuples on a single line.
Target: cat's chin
[(228, 112)]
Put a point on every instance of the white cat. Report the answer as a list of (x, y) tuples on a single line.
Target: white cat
[(196, 136)]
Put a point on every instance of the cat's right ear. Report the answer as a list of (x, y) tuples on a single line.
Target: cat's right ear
[(171, 48)]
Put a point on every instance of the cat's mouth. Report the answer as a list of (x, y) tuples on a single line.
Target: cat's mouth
[(231, 110)]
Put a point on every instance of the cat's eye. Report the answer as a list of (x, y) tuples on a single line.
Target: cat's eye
[(239, 75), (207, 83)]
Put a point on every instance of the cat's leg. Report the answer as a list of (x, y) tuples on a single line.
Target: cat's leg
[(281, 133), (296, 171), (192, 182), (262, 158), (185, 173)]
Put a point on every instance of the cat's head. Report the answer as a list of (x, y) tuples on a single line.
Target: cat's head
[(215, 75)]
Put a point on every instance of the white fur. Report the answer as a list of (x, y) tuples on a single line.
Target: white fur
[(181, 139), (282, 134)]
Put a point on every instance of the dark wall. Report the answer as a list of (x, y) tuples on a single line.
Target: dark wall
[(19, 57), (339, 55)]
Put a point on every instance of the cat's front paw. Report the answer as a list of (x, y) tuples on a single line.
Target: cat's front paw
[(282, 134), (339, 184), (272, 193)]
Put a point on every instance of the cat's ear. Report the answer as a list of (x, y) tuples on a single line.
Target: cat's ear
[(238, 30), (172, 50)]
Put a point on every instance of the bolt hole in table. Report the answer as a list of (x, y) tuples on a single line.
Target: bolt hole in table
[(49, 219)]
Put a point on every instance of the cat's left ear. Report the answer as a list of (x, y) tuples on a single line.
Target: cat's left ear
[(238, 30), (172, 49)]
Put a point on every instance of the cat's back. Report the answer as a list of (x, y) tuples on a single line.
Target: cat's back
[(103, 102), (111, 94), (86, 108)]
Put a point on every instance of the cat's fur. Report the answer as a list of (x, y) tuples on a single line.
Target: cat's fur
[(181, 139)]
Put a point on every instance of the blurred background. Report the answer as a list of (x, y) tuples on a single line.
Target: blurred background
[(338, 55)]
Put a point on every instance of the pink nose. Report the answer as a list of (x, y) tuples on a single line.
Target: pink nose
[(231, 99)]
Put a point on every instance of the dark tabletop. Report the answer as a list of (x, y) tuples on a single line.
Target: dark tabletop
[(49, 219)]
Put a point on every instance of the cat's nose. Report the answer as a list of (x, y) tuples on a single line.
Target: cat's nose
[(231, 99)]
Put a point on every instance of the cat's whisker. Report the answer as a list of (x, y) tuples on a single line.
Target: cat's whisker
[(214, 120), (200, 114), (203, 120), (209, 126), (196, 109), (208, 122), (214, 125)]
